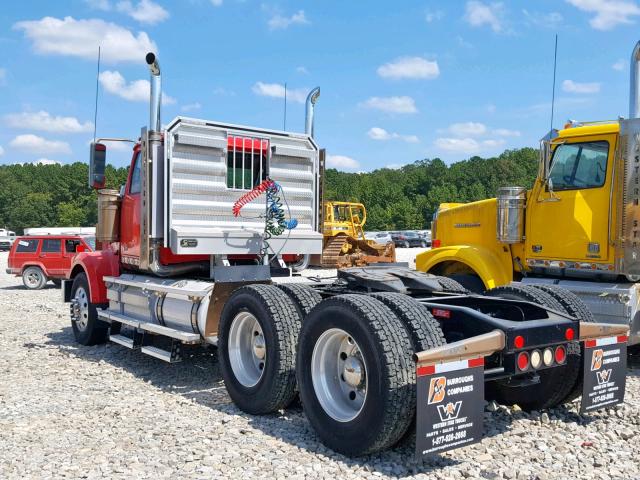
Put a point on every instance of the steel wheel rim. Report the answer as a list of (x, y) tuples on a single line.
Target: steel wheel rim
[(247, 349), (81, 309), (33, 278), (341, 389)]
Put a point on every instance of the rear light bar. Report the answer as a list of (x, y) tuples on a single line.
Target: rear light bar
[(536, 359)]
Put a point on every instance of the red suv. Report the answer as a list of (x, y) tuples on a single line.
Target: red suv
[(39, 259)]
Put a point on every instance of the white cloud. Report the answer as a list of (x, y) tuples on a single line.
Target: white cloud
[(46, 161), (276, 90), (620, 65), (478, 14), (223, 92), (377, 133), (467, 129), (216, 3), (432, 16), (608, 13), (278, 22), (144, 12), (191, 106), (117, 146), (302, 70), (342, 162), (135, 91), (80, 38), (548, 20), (409, 67), (505, 132), (34, 144), (1, 151), (3, 77), (45, 122), (574, 87), (402, 104), (466, 145)]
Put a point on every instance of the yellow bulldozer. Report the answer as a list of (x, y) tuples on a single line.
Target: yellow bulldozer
[(345, 244)]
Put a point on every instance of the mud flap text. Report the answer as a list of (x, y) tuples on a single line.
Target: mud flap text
[(605, 370), (450, 403)]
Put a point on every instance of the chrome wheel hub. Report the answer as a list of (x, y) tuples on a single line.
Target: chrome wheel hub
[(80, 309), (33, 279), (247, 349), (339, 375)]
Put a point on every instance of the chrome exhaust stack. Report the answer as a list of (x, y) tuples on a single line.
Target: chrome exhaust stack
[(634, 88), (312, 98), (156, 92)]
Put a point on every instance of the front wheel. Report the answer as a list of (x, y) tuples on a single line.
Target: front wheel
[(34, 278), (356, 375), (88, 329)]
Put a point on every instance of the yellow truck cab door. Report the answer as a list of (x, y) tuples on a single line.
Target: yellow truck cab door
[(570, 220)]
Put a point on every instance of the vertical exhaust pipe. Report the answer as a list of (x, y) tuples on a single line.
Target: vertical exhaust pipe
[(156, 92), (312, 98), (634, 90)]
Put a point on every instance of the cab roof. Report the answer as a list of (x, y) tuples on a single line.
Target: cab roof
[(588, 128)]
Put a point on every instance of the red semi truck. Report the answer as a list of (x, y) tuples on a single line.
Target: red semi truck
[(190, 253)]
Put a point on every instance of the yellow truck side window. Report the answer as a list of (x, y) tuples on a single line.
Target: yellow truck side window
[(579, 165)]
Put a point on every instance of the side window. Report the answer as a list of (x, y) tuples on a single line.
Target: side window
[(136, 183), (71, 245), (51, 245), (27, 245), (579, 165), (246, 162)]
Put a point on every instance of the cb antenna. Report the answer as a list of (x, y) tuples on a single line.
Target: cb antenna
[(553, 92), (95, 112), (284, 125)]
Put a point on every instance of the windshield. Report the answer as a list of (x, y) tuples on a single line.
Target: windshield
[(91, 241), (579, 165)]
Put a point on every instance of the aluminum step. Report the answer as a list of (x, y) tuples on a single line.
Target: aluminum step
[(164, 355), (184, 337), (123, 340)]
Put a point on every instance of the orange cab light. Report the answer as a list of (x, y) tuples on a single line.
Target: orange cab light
[(569, 334), (518, 342)]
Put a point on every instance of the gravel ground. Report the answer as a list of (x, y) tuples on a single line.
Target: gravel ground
[(104, 411)]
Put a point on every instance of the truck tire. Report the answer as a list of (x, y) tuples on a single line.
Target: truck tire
[(452, 286), (303, 297), (369, 406), (88, 329), (472, 283), (555, 383), (424, 330), (258, 333), (575, 307), (34, 278)]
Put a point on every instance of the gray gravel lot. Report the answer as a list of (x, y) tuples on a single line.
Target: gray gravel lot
[(104, 411)]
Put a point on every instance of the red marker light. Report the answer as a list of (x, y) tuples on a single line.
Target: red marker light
[(569, 334), (518, 342), (561, 355), (436, 243), (523, 361)]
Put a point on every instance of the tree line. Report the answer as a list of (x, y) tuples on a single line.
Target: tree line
[(404, 198)]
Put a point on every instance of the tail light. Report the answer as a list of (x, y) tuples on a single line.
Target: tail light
[(547, 356), (523, 361), (518, 342), (561, 355), (536, 359), (436, 243), (569, 334)]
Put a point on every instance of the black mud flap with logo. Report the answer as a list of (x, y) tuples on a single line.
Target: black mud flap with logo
[(605, 371), (450, 403)]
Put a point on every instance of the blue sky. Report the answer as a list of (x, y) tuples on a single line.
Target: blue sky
[(400, 81)]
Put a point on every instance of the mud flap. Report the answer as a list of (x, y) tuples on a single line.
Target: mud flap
[(605, 371), (450, 405)]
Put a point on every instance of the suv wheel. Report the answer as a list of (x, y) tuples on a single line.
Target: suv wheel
[(34, 278)]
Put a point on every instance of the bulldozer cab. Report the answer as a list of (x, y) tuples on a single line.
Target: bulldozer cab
[(345, 218)]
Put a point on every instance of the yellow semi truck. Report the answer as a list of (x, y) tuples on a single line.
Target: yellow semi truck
[(577, 227)]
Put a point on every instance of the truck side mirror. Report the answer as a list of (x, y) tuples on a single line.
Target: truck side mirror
[(97, 162)]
